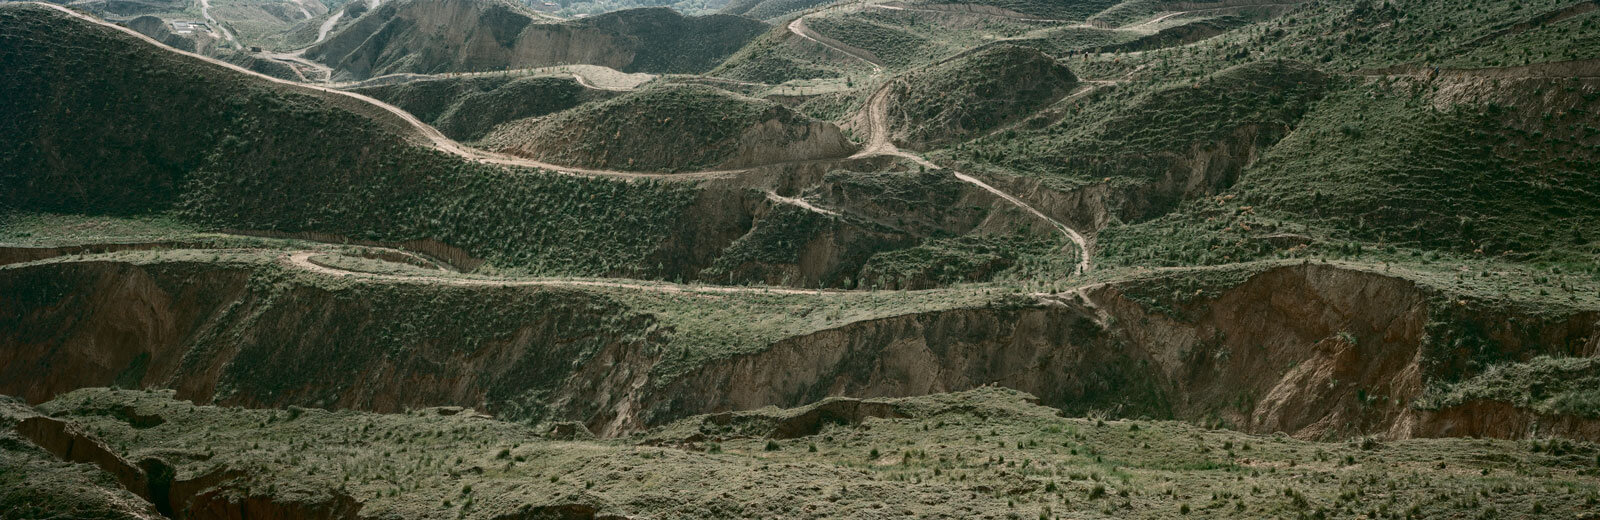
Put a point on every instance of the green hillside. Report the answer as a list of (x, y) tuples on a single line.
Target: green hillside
[(240, 157), (468, 108), (439, 36), (972, 95), (1006, 456), (671, 128)]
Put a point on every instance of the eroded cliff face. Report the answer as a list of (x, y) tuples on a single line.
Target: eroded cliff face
[(1204, 169), (232, 335), (1314, 350)]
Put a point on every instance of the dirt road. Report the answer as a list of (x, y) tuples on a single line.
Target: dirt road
[(304, 260)]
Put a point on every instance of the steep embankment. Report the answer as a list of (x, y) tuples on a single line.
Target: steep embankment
[(673, 128), (468, 108), (255, 337), (435, 36), (1313, 350), (971, 95), (40, 476)]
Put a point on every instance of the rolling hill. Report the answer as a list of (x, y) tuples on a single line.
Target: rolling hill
[(673, 128), (484, 35)]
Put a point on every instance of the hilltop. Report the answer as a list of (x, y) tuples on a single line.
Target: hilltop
[(972, 95), (437, 36), (363, 173), (673, 128), (467, 108)]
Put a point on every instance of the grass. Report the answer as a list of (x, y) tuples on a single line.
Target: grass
[(249, 164), (973, 95), (772, 58), (468, 108), (654, 40), (1132, 135), (906, 39), (1003, 456), (1072, 10), (663, 129), (1561, 386), (47, 229)]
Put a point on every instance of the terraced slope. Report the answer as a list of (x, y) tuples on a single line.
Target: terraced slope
[(673, 128), (482, 35)]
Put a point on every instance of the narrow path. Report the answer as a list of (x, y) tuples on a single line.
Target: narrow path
[(422, 131), (205, 11), (303, 260), (300, 4), (1022, 18), (798, 27), (801, 203), (1071, 234), (584, 82), (327, 26), (877, 130), (879, 142)]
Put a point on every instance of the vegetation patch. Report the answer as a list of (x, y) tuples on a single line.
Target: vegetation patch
[(468, 108), (670, 129), (972, 95)]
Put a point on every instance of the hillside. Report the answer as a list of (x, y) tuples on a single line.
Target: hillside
[(969, 96), (770, 10), (833, 459), (484, 35), (990, 259), (468, 108), (673, 128), (359, 175)]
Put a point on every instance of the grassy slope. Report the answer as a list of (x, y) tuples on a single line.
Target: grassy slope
[(974, 94), (1132, 134), (34, 484), (240, 156), (1452, 166), (439, 36), (771, 10), (468, 108), (1056, 9), (981, 454), (775, 57), (669, 128), (665, 42)]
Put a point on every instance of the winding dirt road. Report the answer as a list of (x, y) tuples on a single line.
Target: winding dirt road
[(877, 109), (879, 142), (305, 260), (422, 132), (798, 27), (205, 11)]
